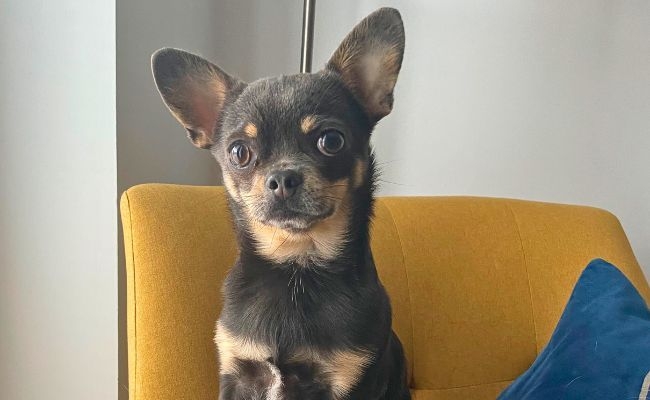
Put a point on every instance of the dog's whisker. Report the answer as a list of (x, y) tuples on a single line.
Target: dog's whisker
[(293, 275), (380, 163), (280, 245), (252, 197), (294, 288), (273, 237), (390, 182), (335, 185), (332, 198), (314, 240)]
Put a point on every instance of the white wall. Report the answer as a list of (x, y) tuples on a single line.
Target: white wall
[(58, 250), (543, 100)]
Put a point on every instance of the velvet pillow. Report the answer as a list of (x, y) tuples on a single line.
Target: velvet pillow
[(600, 349)]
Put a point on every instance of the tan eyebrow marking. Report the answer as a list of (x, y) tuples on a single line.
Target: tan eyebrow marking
[(250, 129), (307, 123)]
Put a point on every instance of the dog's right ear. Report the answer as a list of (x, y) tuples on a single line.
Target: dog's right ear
[(194, 90)]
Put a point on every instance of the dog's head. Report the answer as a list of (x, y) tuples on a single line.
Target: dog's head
[(293, 149)]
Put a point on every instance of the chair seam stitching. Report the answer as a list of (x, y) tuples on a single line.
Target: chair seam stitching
[(408, 286), (469, 386), (530, 289)]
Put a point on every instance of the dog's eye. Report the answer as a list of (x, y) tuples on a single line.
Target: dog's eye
[(240, 155), (330, 142)]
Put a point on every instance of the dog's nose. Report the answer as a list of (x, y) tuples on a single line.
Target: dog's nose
[(283, 184)]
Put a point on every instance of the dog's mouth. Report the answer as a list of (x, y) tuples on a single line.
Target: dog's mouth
[(295, 221), (305, 227)]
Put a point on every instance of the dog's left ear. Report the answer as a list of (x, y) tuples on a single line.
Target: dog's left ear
[(369, 60)]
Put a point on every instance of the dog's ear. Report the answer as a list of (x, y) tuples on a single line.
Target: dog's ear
[(194, 90), (369, 60)]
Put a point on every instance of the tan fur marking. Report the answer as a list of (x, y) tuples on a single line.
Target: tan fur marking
[(359, 173), (345, 369), (307, 123), (342, 368), (230, 187), (250, 129), (321, 242), (232, 348)]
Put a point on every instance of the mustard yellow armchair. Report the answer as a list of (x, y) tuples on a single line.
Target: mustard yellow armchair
[(477, 285)]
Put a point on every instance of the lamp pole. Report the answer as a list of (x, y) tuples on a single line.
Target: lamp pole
[(307, 35)]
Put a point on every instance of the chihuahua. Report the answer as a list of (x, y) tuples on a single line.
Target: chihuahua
[(304, 315)]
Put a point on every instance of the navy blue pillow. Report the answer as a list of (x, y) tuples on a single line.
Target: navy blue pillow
[(600, 349)]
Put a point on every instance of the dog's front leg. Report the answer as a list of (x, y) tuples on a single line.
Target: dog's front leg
[(245, 370), (251, 380)]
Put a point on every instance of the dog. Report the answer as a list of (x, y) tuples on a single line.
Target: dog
[(304, 314)]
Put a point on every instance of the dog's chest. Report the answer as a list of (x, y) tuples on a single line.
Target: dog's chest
[(297, 308), (305, 372)]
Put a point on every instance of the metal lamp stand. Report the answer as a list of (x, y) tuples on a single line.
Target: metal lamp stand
[(307, 35)]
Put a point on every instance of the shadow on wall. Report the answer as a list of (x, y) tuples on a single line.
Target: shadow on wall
[(249, 39)]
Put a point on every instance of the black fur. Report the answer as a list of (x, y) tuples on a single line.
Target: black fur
[(327, 304)]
